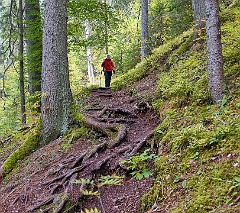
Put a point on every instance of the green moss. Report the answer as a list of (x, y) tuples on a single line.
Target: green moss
[(28, 145), (198, 142), (73, 135)]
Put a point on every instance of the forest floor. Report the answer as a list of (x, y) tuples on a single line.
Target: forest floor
[(122, 123)]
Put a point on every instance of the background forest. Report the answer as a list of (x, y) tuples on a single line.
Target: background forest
[(196, 141), (120, 18)]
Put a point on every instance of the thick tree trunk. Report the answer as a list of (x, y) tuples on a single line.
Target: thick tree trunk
[(214, 50), (56, 93), (34, 44), (144, 29), (198, 7), (21, 70)]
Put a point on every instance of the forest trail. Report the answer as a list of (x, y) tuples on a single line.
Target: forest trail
[(122, 122)]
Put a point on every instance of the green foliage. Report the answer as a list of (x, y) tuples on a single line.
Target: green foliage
[(72, 136), (110, 180), (138, 164), (28, 145), (97, 14), (102, 181), (158, 56), (95, 210), (198, 142)]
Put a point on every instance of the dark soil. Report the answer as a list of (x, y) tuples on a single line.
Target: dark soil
[(122, 124)]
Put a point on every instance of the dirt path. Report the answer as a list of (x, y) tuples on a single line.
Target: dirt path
[(121, 123)]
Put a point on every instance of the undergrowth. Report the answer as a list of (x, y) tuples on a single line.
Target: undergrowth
[(199, 150)]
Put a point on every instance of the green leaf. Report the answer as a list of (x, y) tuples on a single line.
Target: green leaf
[(184, 184), (90, 193), (146, 173), (139, 176), (177, 179), (237, 179)]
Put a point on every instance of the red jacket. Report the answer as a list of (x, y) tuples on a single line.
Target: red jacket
[(108, 65)]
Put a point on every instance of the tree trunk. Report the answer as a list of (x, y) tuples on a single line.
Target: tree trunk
[(198, 7), (144, 29), (34, 44), (56, 93), (89, 55), (214, 50), (21, 70)]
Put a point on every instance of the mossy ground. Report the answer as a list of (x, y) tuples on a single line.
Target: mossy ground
[(199, 145), (198, 142)]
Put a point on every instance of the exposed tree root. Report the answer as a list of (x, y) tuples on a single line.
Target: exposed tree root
[(102, 163), (98, 148), (108, 121), (122, 133), (61, 206), (67, 175), (117, 120), (99, 126), (45, 202), (46, 210), (141, 143), (79, 159)]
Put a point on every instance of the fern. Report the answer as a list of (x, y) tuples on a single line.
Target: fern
[(95, 210), (110, 180)]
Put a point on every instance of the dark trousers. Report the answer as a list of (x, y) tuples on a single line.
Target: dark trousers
[(108, 76)]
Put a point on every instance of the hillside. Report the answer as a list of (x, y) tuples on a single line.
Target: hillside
[(162, 106)]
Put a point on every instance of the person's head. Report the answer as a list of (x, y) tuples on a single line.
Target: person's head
[(108, 56)]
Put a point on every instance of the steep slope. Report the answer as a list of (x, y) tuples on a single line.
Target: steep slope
[(121, 124), (163, 104)]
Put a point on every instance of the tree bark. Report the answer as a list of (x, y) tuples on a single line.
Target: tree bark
[(56, 93), (214, 50), (34, 44), (21, 68), (144, 29)]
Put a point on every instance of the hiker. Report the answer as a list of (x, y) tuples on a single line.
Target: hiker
[(108, 66)]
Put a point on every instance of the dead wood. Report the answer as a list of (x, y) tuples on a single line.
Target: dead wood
[(121, 136), (45, 202)]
